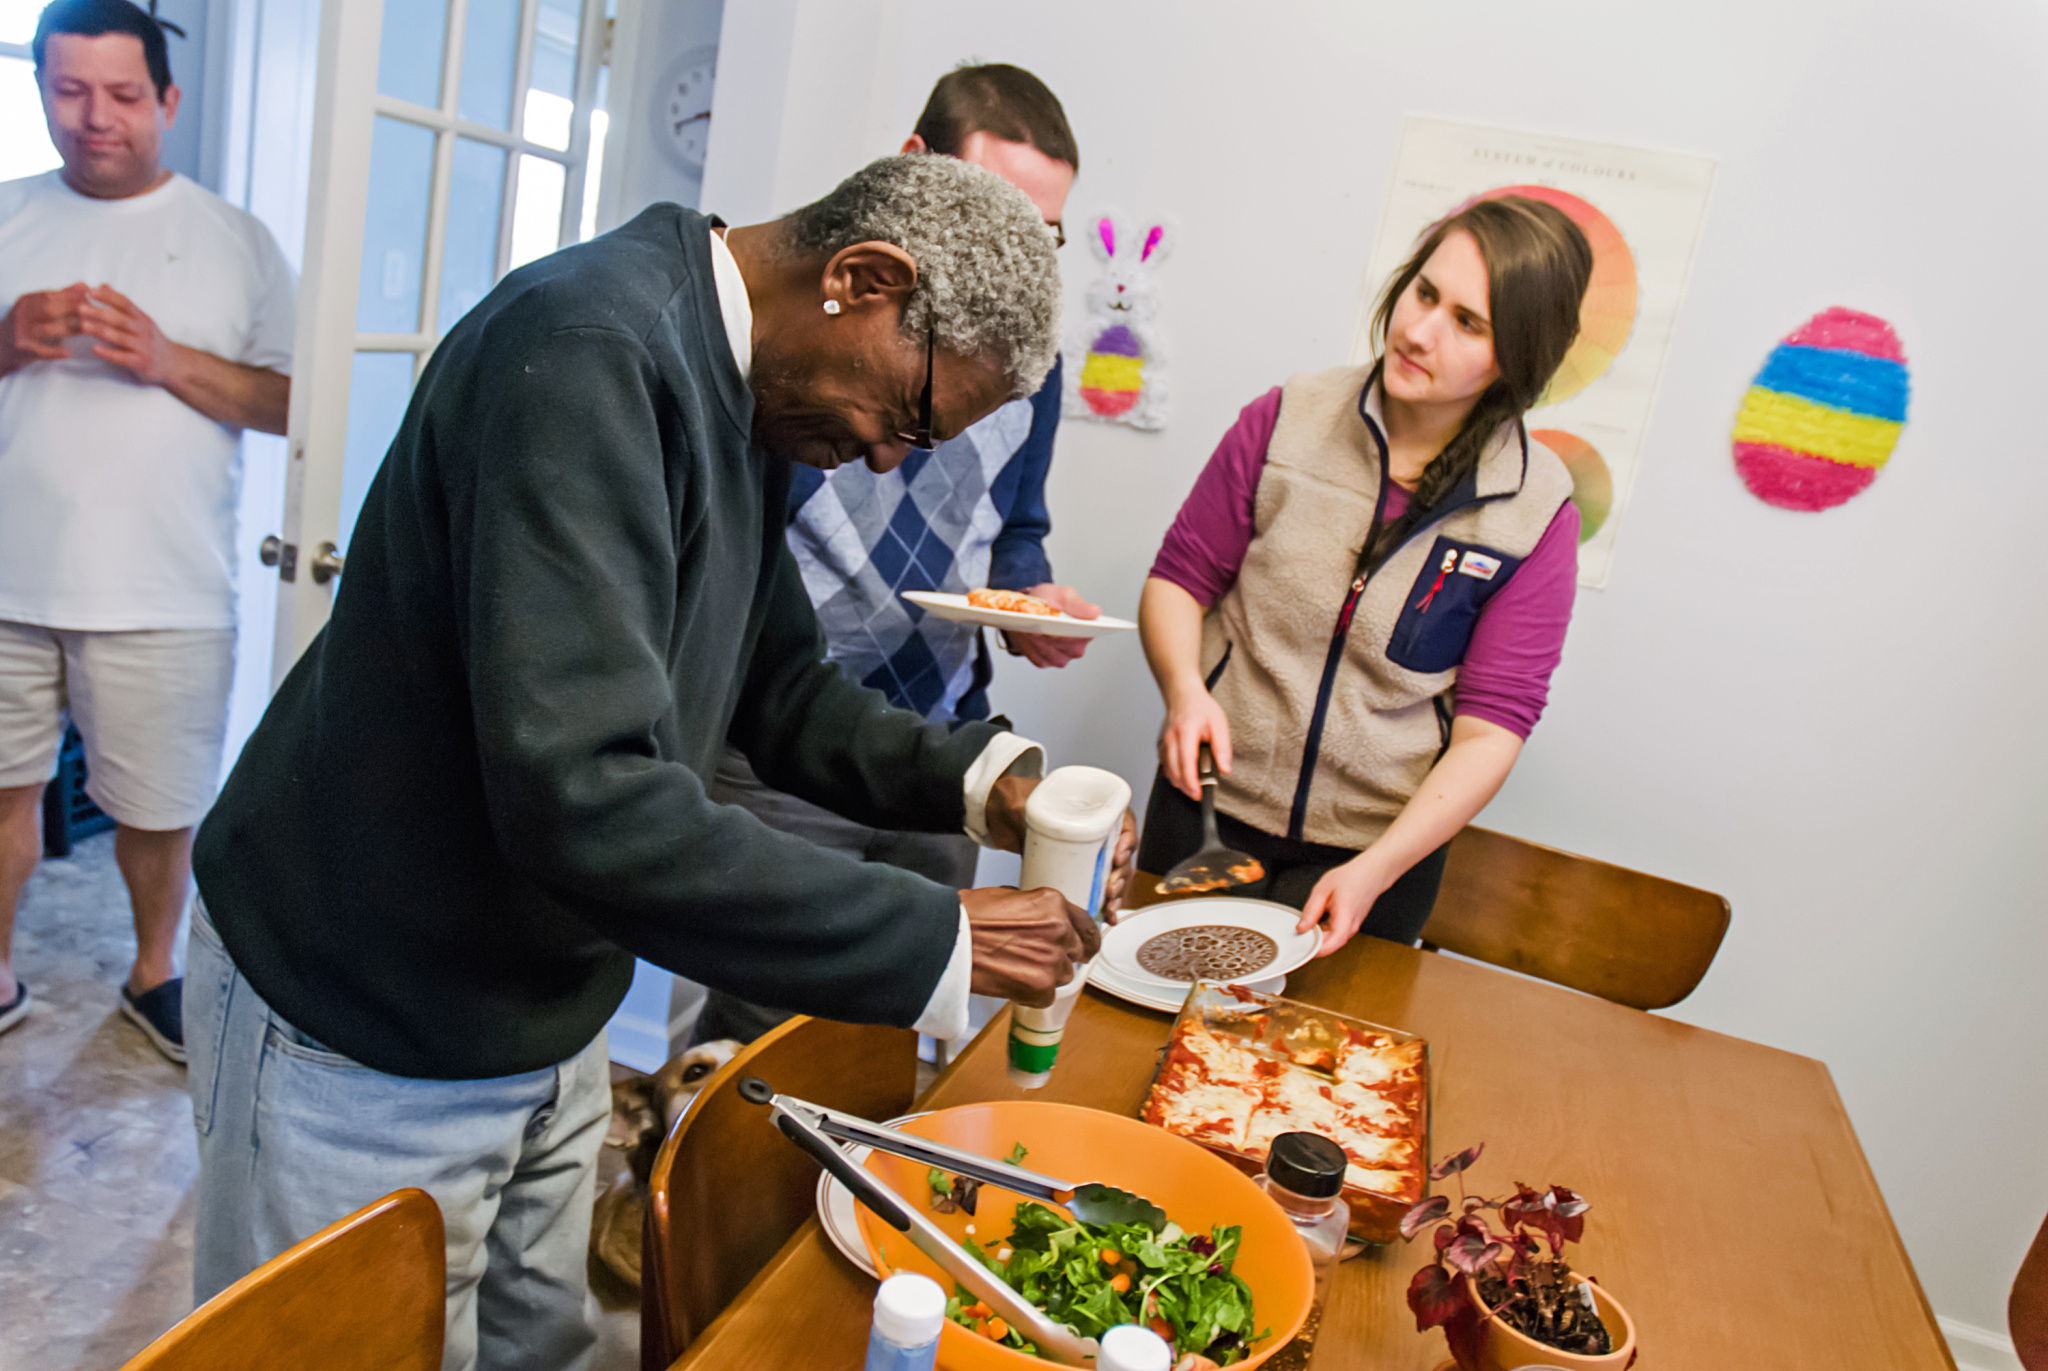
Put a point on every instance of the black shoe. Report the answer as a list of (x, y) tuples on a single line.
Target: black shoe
[(161, 1014), (15, 1011)]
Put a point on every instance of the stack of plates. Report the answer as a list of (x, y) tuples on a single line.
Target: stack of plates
[(1118, 970)]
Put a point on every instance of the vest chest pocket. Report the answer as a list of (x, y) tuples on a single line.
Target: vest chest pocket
[(1439, 610)]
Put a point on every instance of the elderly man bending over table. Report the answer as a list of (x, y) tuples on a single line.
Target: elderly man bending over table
[(481, 792)]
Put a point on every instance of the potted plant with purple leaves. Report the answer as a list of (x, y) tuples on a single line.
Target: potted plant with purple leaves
[(1500, 1285)]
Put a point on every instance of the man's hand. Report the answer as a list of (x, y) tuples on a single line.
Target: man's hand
[(1045, 649), (231, 393), (1026, 942), (127, 337), (1004, 818), (37, 325)]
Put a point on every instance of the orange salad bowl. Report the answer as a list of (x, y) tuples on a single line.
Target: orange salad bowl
[(1196, 1188)]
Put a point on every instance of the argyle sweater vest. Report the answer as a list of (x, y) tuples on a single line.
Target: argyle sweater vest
[(1339, 684)]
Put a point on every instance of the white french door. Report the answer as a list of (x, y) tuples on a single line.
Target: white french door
[(453, 140)]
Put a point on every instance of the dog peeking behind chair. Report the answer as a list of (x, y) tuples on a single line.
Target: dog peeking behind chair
[(644, 1110)]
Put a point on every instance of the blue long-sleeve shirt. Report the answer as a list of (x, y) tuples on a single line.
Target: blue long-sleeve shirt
[(968, 515)]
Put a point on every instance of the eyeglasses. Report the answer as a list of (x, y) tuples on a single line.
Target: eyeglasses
[(923, 438), (1059, 232)]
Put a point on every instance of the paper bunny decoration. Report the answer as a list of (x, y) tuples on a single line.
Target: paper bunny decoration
[(1115, 366)]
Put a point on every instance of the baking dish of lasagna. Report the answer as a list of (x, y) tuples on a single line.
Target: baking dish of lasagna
[(1241, 1068)]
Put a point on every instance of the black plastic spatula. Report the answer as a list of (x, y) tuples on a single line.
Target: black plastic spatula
[(1214, 867)]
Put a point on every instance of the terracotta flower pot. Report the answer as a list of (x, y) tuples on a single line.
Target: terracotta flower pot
[(1484, 1343)]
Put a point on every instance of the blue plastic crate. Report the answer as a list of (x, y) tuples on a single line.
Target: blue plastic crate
[(68, 813)]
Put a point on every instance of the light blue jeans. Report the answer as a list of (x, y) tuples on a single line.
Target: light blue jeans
[(293, 1136)]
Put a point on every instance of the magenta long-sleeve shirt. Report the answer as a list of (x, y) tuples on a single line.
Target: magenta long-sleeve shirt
[(1517, 640)]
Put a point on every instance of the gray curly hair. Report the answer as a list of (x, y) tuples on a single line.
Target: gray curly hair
[(987, 279)]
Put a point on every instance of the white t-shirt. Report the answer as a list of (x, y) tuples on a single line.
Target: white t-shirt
[(117, 500)]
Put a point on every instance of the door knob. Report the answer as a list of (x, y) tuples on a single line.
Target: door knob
[(275, 551), (327, 563)]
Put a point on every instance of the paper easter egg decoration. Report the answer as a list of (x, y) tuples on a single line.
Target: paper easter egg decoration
[(1823, 415)]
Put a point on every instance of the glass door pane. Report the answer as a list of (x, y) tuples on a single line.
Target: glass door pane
[(380, 384), (476, 201), (551, 89), (26, 150), (18, 20), (409, 51), (537, 213), (395, 227), (490, 51)]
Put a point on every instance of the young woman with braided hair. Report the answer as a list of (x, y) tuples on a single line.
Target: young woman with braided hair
[(1362, 600)]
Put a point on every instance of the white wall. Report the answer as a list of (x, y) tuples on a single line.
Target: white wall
[(648, 36), (1827, 717)]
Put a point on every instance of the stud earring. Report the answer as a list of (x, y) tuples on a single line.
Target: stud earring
[(831, 307)]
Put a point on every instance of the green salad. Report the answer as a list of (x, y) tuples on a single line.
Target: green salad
[(1092, 1277)]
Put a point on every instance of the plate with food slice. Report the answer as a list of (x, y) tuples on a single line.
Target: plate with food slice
[(1014, 611)]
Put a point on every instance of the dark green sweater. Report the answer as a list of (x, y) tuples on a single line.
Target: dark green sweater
[(480, 792)]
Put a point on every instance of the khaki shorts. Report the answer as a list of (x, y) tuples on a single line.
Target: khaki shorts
[(152, 706)]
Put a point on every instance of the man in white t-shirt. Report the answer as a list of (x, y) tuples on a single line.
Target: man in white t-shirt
[(148, 323)]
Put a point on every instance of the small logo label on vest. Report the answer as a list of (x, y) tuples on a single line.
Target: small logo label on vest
[(1480, 565)]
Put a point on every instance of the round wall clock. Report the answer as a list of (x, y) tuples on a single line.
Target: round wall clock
[(682, 108)]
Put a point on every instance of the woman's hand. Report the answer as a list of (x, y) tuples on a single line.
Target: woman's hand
[(1342, 899), (1170, 627), (1121, 863), (1192, 717)]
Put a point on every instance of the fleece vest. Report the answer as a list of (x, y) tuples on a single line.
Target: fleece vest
[(1340, 683)]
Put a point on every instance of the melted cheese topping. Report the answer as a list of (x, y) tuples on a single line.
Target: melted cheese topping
[(1218, 1091), (1206, 1112)]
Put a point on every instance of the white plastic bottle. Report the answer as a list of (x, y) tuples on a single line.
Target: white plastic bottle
[(1128, 1347), (909, 1312), (1305, 1177), (1071, 823)]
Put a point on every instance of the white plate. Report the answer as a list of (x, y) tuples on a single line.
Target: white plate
[(838, 1210), (1134, 929), (1169, 996), (956, 608)]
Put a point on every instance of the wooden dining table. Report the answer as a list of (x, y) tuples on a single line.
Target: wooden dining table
[(1733, 1213)]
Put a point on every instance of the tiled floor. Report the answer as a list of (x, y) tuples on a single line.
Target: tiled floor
[(96, 1147), (97, 1158)]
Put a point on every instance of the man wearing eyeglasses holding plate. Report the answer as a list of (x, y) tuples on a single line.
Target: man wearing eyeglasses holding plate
[(968, 515), (480, 794)]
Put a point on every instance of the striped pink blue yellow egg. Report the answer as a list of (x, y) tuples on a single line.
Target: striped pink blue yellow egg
[(1114, 372), (1825, 412)]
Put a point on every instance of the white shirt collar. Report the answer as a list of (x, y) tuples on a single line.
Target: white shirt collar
[(733, 306)]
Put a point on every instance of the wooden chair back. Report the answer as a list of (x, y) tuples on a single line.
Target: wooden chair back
[(368, 1293), (728, 1189), (2026, 1309), (1625, 936)]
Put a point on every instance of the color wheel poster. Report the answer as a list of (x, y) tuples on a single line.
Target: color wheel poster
[(1641, 212)]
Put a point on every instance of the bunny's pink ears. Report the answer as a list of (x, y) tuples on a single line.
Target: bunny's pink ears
[(1105, 233)]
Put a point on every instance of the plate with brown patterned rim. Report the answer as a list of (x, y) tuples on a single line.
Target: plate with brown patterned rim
[(1218, 938)]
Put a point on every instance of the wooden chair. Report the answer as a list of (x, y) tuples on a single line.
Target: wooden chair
[(728, 1189), (2026, 1311), (1622, 935), (368, 1293)]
